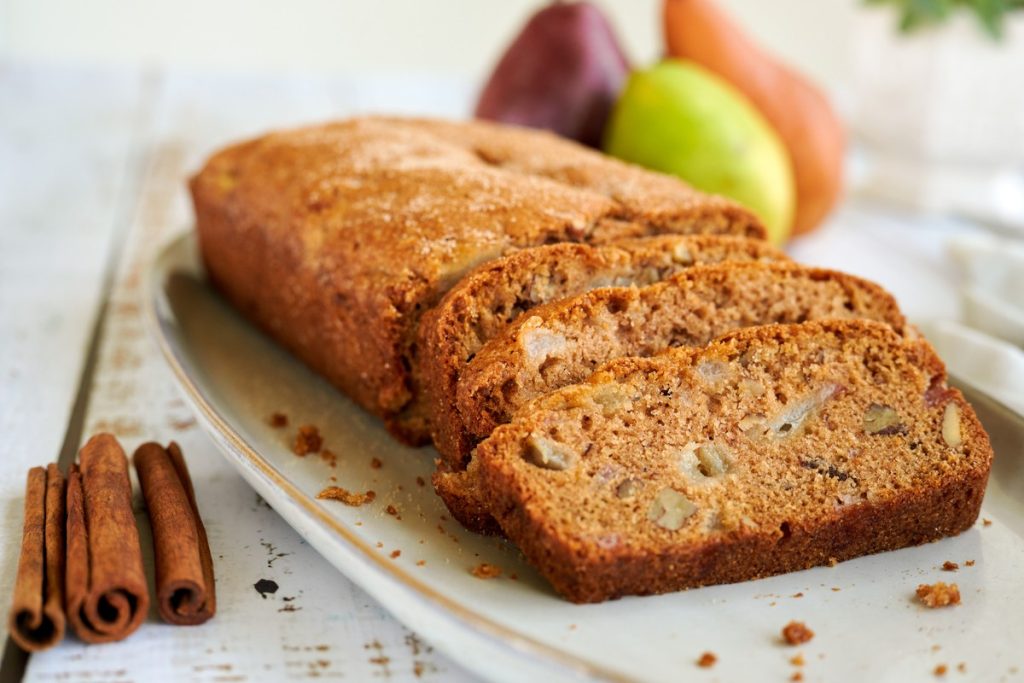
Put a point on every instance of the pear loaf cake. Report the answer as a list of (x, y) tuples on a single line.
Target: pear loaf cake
[(770, 450), (486, 300), (335, 239), (562, 342)]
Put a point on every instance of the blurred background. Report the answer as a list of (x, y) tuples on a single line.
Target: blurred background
[(461, 38)]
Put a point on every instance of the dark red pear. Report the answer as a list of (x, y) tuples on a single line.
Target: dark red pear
[(563, 72)]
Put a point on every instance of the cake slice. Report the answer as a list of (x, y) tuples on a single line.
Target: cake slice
[(489, 298), (562, 342), (770, 450)]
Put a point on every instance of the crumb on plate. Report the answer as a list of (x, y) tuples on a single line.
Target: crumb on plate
[(353, 498), (307, 440), (796, 632), (486, 571), (938, 594)]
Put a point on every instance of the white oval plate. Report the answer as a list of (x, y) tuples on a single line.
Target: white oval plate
[(868, 625)]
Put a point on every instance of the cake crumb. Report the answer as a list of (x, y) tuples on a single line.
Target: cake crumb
[(307, 440), (938, 594), (278, 420), (376, 464), (352, 498), (395, 554), (940, 670), (948, 566), (962, 667), (969, 563), (420, 563), (798, 595), (707, 660), (798, 660), (380, 544), (796, 632), (986, 521), (832, 561), (485, 571), (797, 676), (329, 457), (391, 510), (836, 589), (420, 481)]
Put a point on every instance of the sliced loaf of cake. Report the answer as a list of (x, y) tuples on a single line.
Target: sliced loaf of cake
[(562, 342), (770, 450), (484, 302)]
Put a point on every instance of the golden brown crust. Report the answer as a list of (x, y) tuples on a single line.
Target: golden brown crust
[(336, 238), (826, 489)]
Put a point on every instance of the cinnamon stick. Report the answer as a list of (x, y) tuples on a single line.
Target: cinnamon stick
[(184, 567), (36, 618), (107, 597)]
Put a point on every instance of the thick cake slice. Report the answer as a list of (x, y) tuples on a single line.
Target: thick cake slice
[(489, 298), (770, 450), (337, 238), (562, 342)]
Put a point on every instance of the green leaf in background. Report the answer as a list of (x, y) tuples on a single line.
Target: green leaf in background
[(919, 14)]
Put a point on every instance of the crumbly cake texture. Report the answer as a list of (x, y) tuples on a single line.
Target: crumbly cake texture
[(485, 301), (336, 238), (561, 343), (770, 450)]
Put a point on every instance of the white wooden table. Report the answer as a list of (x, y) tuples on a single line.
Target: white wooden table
[(92, 172)]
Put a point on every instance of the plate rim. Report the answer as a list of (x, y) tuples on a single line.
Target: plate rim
[(440, 604)]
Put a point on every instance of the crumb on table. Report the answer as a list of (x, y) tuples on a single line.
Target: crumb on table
[(486, 571), (949, 566), (395, 554), (969, 563), (939, 594), (353, 498), (796, 632), (986, 522), (798, 660), (707, 660), (940, 670), (278, 420), (376, 464), (420, 481), (797, 676), (307, 440)]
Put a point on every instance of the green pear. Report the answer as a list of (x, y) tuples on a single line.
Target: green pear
[(679, 118)]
